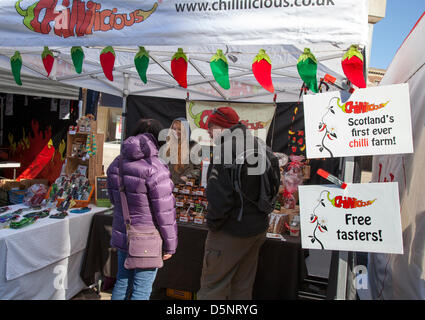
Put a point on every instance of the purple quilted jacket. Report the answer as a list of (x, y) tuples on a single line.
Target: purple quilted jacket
[(148, 190)]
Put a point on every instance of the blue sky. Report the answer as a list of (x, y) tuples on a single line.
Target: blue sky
[(390, 32)]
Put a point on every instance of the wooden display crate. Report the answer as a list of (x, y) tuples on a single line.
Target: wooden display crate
[(94, 163)]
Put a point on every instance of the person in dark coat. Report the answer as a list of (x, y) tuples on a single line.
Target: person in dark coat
[(232, 245)]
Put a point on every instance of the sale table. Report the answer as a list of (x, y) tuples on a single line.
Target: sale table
[(43, 260), (281, 265)]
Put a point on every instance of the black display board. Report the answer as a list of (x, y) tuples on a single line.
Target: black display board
[(101, 192)]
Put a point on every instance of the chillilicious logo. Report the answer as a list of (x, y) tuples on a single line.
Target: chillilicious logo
[(201, 120), (360, 107), (78, 18), (349, 202)]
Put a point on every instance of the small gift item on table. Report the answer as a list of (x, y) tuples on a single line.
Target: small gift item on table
[(61, 215), (23, 222), (39, 214), (81, 210), (184, 216), (35, 195), (293, 177), (294, 227)]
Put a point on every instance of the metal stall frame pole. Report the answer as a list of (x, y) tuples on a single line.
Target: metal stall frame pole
[(125, 93), (343, 281), (347, 261)]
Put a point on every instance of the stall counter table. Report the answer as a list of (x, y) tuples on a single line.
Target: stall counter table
[(281, 265), (43, 260)]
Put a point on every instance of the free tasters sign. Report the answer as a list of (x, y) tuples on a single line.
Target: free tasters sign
[(363, 217), (372, 121)]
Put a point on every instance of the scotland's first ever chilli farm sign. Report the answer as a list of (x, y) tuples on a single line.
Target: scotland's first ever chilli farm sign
[(181, 22), (372, 121)]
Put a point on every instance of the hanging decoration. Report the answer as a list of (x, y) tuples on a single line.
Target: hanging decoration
[(220, 69), (16, 65), (107, 61), (141, 61), (77, 55), (307, 69), (352, 65), (91, 147), (262, 70), (48, 60), (179, 67)]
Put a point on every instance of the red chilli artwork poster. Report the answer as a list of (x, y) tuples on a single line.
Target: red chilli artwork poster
[(371, 121), (363, 217)]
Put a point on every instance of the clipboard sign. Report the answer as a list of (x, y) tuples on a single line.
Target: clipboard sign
[(101, 192)]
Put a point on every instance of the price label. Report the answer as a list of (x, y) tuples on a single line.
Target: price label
[(199, 220), (184, 219)]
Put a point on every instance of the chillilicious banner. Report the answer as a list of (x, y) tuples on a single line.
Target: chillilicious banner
[(372, 121), (363, 217), (181, 22)]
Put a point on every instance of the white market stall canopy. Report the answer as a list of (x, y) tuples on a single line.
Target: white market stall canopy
[(239, 28)]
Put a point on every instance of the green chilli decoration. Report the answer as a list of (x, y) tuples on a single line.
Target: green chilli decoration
[(141, 61), (307, 69), (77, 55), (220, 69), (16, 65)]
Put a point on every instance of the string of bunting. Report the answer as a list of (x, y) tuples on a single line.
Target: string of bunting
[(352, 64)]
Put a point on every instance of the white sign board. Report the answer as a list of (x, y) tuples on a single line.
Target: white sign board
[(372, 121), (362, 217)]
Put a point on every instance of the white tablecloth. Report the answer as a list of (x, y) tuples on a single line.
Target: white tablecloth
[(43, 260)]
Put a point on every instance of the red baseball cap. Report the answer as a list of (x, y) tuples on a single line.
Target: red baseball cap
[(224, 117)]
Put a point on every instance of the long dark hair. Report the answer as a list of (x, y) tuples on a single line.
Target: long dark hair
[(151, 126)]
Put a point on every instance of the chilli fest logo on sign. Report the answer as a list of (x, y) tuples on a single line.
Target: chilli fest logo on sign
[(77, 18), (360, 107), (342, 203)]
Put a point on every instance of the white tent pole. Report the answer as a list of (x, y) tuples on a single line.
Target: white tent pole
[(158, 62), (345, 278), (167, 86), (27, 66), (125, 93)]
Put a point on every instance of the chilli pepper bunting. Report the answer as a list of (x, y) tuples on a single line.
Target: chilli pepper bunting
[(307, 69), (262, 70), (220, 69), (179, 67), (77, 55), (16, 65), (48, 60), (141, 61), (352, 65), (107, 61)]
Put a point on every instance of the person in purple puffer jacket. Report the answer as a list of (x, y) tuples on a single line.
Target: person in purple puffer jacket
[(150, 202)]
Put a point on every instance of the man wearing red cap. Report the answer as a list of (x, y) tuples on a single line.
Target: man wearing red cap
[(236, 229)]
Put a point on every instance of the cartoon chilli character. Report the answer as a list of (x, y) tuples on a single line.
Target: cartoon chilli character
[(28, 14), (200, 119)]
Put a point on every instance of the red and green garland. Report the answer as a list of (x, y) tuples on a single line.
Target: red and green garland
[(352, 65), (262, 70), (16, 65), (141, 61)]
